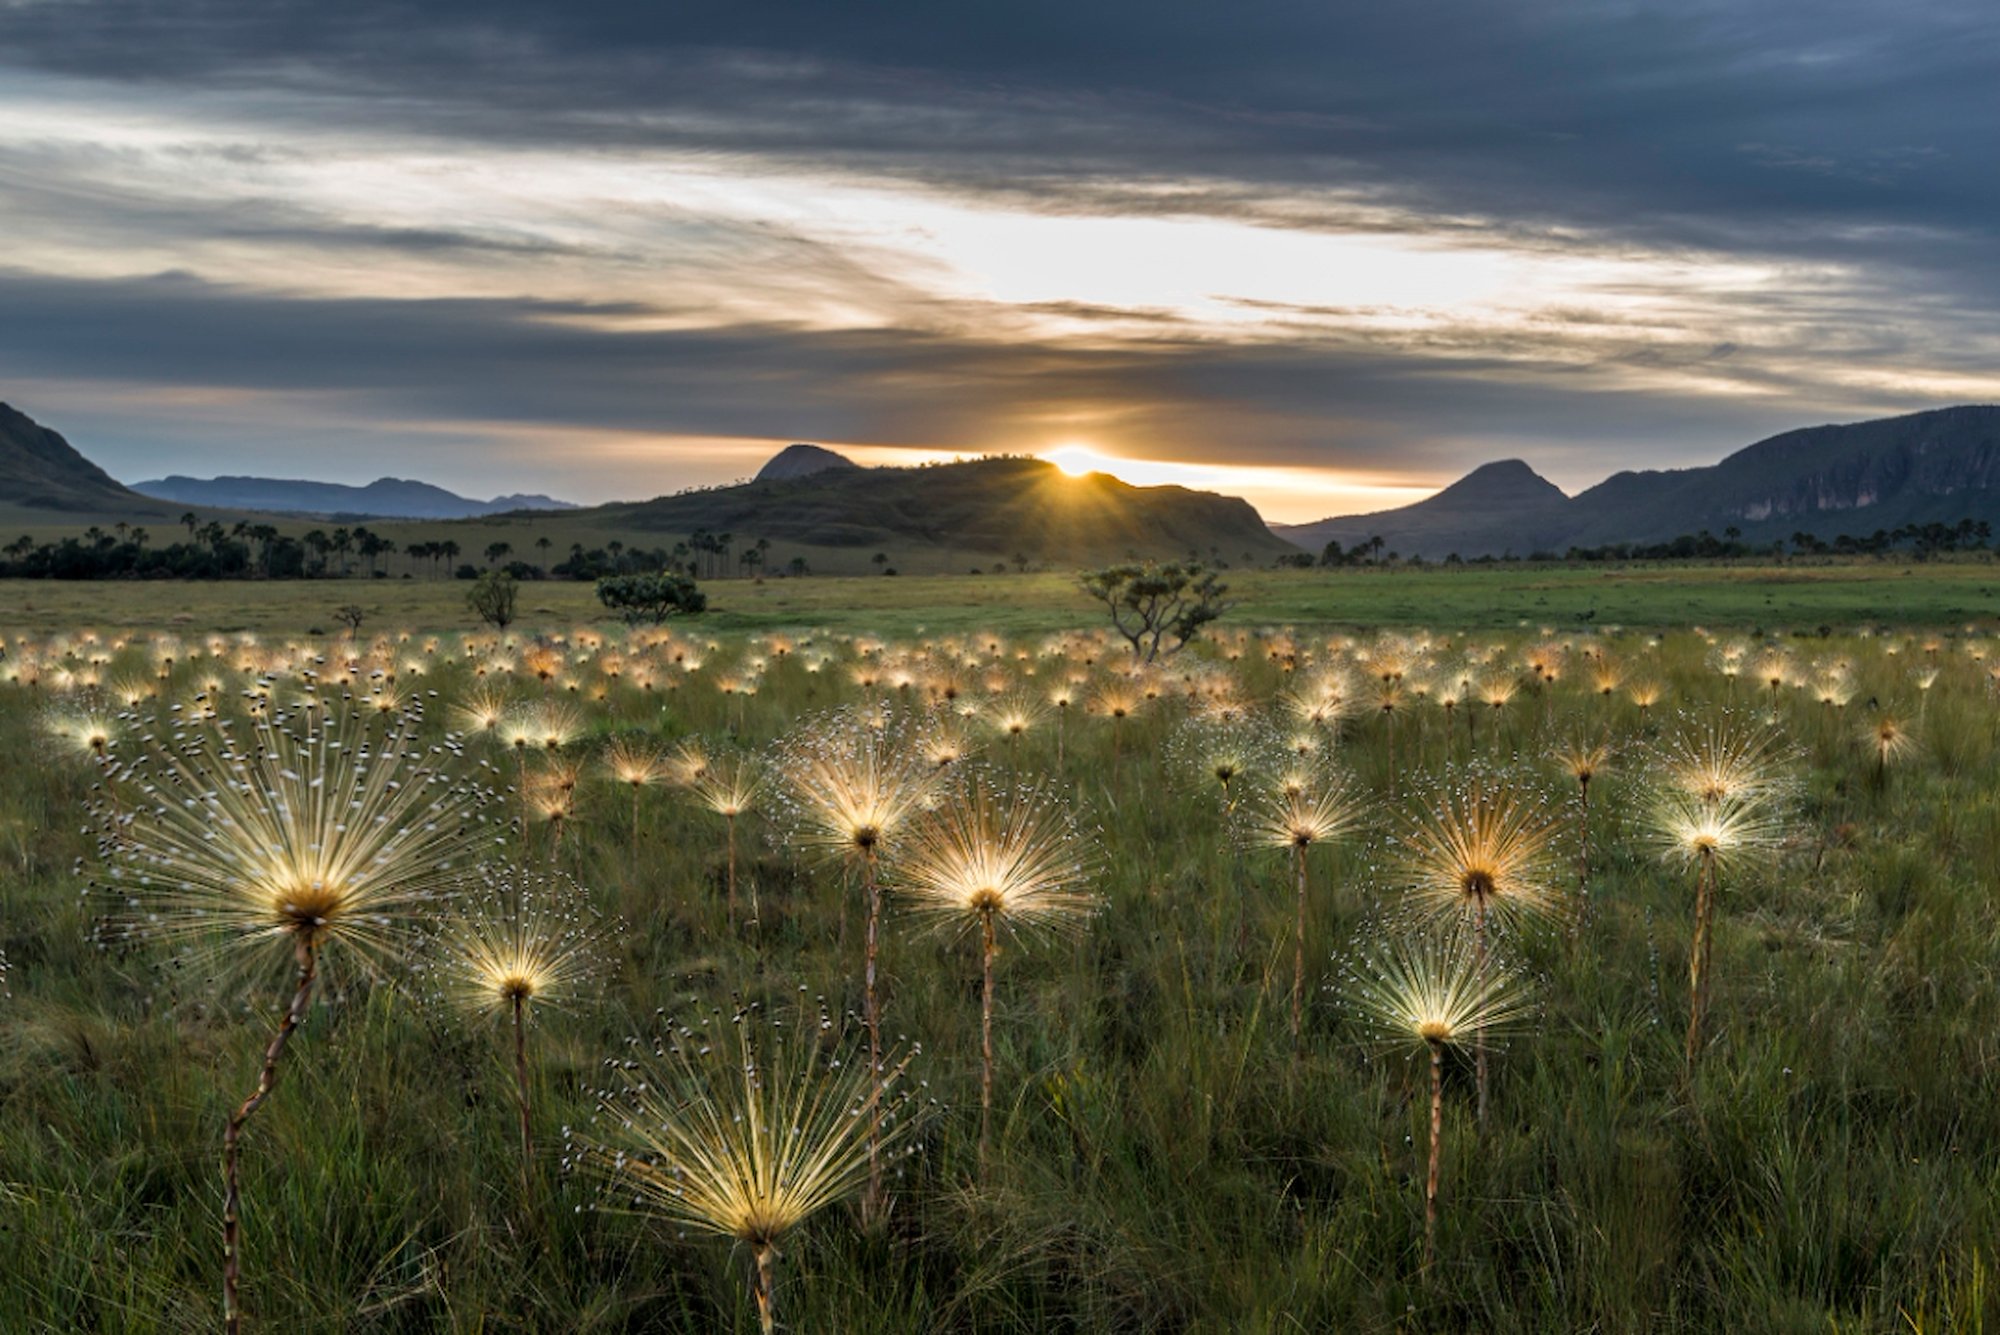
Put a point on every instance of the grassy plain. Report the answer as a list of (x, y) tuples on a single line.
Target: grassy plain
[(1164, 1159), (1790, 597)]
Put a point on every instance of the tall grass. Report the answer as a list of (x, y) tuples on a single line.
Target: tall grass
[(1161, 1154)]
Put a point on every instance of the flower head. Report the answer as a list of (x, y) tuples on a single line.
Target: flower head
[(1013, 860), (309, 833), (743, 1143), (521, 938), (1483, 850), (1431, 990)]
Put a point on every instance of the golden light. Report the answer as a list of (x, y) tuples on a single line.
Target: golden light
[(1286, 494), (1075, 460)]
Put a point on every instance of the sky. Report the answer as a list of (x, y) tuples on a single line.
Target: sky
[(1328, 256)]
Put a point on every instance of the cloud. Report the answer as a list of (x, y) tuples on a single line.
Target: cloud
[(444, 222), (352, 383)]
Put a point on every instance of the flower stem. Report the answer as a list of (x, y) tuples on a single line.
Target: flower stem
[(232, 1196), (521, 1081), (1299, 949), (767, 1288), (1437, 1137), (872, 1014), (1479, 1043), (988, 951)]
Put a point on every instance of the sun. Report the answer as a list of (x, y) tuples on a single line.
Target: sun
[(1074, 460)]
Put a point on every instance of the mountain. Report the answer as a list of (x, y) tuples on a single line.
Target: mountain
[(1932, 467), (1940, 466), (979, 508), (39, 470), (1497, 507), (384, 498), (797, 461)]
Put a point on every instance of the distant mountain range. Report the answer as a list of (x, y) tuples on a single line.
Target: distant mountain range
[(1931, 467), (977, 511), (978, 508), (384, 498)]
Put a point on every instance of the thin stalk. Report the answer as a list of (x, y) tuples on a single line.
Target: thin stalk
[(1392, 757), (1698, 954), (1583, 835), (1299, 947), (987, 952), (1479, 1043), (1437, 1138), (730, 819), (767, 1288), (521, 1082), (871, 1012), (521, 755), (232, 1195), (756, 911)]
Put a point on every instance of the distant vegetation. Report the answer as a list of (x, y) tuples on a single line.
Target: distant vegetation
[(1922, 541), (261, 551), (650, 599), (1158, 609)]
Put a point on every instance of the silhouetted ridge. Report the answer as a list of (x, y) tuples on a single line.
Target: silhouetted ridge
[(41, 470), (1941, 466), (384, 498), (981, 508)]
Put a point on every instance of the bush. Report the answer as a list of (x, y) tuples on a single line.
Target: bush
[(653, 597), (493, 596)]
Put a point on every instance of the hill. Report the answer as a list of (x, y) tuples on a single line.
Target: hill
[(1496, 508), (981, 508), (1932, 467), (384, 498), (39, 470)]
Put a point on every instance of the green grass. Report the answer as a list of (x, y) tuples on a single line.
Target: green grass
[(1163, 1161), (1796, 597)]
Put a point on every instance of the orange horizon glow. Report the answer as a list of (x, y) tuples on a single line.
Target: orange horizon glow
[(1282, 494)]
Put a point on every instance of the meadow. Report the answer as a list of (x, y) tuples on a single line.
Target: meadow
[(1292, 906), (1779, 599)]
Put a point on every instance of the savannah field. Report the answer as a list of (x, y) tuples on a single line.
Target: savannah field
[(1685, 875), (1775, 598)]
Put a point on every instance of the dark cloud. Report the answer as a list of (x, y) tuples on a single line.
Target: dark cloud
[(1707, 119), (1846, 134)]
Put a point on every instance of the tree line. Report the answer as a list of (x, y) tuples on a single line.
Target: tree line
[(259, 551), (1923, 540)]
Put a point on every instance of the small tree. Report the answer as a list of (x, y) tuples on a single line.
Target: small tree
[(492, 597), (651, 598), (351, 616), (1157, 608)]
